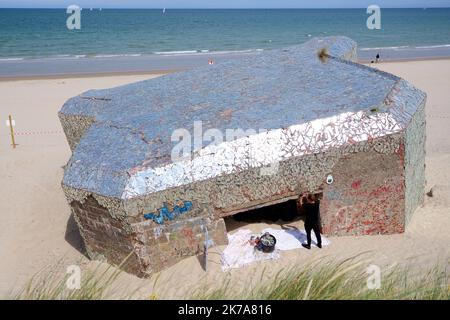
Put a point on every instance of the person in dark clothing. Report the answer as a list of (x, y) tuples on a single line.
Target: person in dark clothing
[(312, 221)]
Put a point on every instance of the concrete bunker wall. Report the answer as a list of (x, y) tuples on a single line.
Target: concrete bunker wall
[(162, 246), (366, 197), (368, 194), (105, 237), (75, 126), (415, 137), (142, 248)]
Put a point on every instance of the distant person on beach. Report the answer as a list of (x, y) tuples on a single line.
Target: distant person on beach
[(377, 58), (311, 207)]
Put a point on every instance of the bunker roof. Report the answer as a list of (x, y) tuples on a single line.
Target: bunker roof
[(122, 153)]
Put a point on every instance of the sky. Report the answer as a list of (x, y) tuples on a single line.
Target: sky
[(222, 3)]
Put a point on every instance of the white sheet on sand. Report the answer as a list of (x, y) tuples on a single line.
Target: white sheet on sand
[(240, 252), (292, 238)]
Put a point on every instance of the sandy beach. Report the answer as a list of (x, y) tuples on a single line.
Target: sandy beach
[(37, 231)]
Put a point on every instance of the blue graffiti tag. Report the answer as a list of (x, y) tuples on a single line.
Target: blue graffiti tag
[(166, 214)]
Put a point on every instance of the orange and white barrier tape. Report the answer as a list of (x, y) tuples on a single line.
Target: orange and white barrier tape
[(29, 133)]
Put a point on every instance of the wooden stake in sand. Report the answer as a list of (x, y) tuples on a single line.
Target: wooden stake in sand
[(11, 123)]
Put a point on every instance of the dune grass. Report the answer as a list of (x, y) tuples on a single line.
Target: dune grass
[(95, 285), (51, 283), (321, 279), (342, 280)]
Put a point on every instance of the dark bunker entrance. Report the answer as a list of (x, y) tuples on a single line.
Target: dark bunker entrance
[(287, 212), (280, 213)]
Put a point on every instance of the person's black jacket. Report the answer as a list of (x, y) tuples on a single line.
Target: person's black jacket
[(312, 211)]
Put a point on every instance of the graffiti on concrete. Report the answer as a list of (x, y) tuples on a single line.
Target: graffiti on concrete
[(165, 214), (333, 195), (356, 184)]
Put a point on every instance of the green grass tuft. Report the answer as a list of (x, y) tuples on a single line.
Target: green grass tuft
[(342, 280), (320, 279)]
